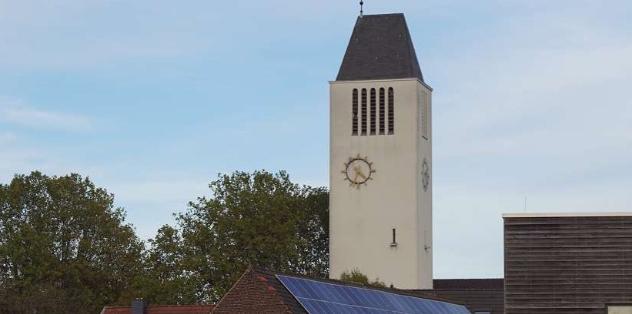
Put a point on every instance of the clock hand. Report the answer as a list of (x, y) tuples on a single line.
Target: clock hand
[(362, 175), (358, 171)]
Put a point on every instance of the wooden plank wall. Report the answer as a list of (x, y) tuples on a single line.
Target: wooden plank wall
[(567, 264)]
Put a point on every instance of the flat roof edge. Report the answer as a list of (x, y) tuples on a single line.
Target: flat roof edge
[(570, 214)]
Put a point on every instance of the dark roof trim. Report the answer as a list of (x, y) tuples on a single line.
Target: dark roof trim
[(389, 80), (469, 284)]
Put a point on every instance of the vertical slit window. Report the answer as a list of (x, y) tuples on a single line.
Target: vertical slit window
[(354, 113), (394, 243), (382, 126), (373, 111), (427, 116), (363, 114), (423, 97), (391, 111)]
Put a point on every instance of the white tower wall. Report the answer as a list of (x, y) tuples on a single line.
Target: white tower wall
[(362, 219)]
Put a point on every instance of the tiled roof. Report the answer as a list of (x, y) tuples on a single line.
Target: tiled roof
[(161, 309), (258, 291), (380, 48)]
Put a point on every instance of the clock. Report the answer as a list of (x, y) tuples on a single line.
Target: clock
[(425, 174), (358, 171)]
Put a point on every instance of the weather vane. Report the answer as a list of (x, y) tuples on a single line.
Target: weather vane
[(361, 8)]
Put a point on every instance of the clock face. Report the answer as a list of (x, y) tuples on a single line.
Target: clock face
[(358, 171), (425, 175)]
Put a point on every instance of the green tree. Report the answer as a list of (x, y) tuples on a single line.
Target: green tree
[(253, 219), (64, 247), (355, 276), (167, 279)]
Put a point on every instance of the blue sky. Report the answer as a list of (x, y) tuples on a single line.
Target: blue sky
[(151, 99)]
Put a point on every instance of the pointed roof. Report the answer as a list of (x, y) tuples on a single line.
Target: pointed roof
[(380, 48)]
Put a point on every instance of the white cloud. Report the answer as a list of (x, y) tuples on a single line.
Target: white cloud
[(18, 113)]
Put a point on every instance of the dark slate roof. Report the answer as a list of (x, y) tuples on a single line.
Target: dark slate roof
[(484, 295), (380, 48)]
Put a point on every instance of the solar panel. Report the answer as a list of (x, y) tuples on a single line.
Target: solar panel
[(324, 297)]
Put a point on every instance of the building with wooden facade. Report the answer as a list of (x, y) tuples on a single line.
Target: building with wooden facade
[(568, 263)]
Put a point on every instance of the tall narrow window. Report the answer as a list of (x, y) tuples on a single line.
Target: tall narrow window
[(425, 119), (394, 242), (363, 114), (373, 111), (382, 112), (354, 113), (391, 111)]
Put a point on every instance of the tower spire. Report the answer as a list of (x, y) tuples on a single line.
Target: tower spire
[(380, 48), (361, 8)]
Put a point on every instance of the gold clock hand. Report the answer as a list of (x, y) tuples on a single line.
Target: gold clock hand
[(359, 172)]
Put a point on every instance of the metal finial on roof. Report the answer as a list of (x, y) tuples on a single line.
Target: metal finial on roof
[(361, 8)]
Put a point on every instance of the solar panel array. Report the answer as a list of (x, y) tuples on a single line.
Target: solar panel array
[(324, 297)]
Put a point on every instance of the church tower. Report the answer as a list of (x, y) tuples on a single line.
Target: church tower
[(381, 158)]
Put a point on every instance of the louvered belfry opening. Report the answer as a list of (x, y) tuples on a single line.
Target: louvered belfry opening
[(364, 126), (354, 113), (382, 126), (373, 111), (391, 111)]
